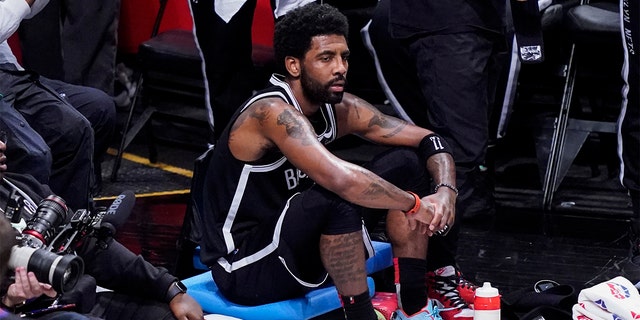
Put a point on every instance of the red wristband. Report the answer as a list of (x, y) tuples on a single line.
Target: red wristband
[(416, 206)]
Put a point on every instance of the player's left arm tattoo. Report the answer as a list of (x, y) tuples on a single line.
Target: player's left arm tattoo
[(293, 126), (395, 125)]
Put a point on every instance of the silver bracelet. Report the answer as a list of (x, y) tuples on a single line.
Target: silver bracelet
[(435, 189)]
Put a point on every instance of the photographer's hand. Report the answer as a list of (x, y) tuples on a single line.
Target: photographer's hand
[(25, 287)]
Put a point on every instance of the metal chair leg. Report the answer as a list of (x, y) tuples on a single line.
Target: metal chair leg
[(551, 182), (128, 134), (125, 133)]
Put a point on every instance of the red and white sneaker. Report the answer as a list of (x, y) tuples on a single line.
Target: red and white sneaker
[(466, 289), (456, 294)]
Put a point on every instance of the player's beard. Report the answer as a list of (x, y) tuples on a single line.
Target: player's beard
[(317, 92)]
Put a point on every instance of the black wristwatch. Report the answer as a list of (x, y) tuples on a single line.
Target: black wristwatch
[(174, 289)]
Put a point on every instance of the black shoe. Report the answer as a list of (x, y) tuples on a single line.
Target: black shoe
[(478, 201)]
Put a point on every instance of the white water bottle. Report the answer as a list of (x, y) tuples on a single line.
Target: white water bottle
[(486, 303)]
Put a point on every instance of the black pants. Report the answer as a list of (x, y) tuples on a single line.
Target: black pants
[(80, 41), (57, 132), (629, 122), (113, 306), (226, 52), (446, 83)]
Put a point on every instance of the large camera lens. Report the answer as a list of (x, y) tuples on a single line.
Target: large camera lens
[(60, 271), (51, 212)]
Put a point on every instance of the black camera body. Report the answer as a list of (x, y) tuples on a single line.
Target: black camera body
[(47, 244)]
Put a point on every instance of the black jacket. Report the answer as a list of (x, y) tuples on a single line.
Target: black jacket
[(423, 17)]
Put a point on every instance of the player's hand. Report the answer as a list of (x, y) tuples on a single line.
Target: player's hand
[(444, 207), (423, 218)]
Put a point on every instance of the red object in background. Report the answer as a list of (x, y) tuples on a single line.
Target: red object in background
[(262, 29), (138, 16), (14, 43)]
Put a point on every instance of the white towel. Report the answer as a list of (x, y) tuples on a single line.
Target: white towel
[(580, 312), (617, 298)]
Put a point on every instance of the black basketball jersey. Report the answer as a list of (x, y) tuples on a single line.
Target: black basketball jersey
[(239, 196)]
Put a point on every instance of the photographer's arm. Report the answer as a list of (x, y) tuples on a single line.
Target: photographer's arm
[(119, 269)]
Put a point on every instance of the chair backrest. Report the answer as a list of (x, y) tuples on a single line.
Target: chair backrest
[(191, 229), (188, 263)]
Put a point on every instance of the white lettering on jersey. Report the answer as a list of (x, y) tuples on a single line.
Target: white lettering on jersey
[(293, 176)]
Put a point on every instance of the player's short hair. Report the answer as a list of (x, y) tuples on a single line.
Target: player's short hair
[(294, 31)]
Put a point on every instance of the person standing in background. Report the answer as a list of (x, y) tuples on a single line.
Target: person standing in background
[(438, 63), (629, 120), (223, 35), (80, 41)]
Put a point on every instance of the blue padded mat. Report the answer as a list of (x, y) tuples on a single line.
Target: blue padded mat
[(315, 303)]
